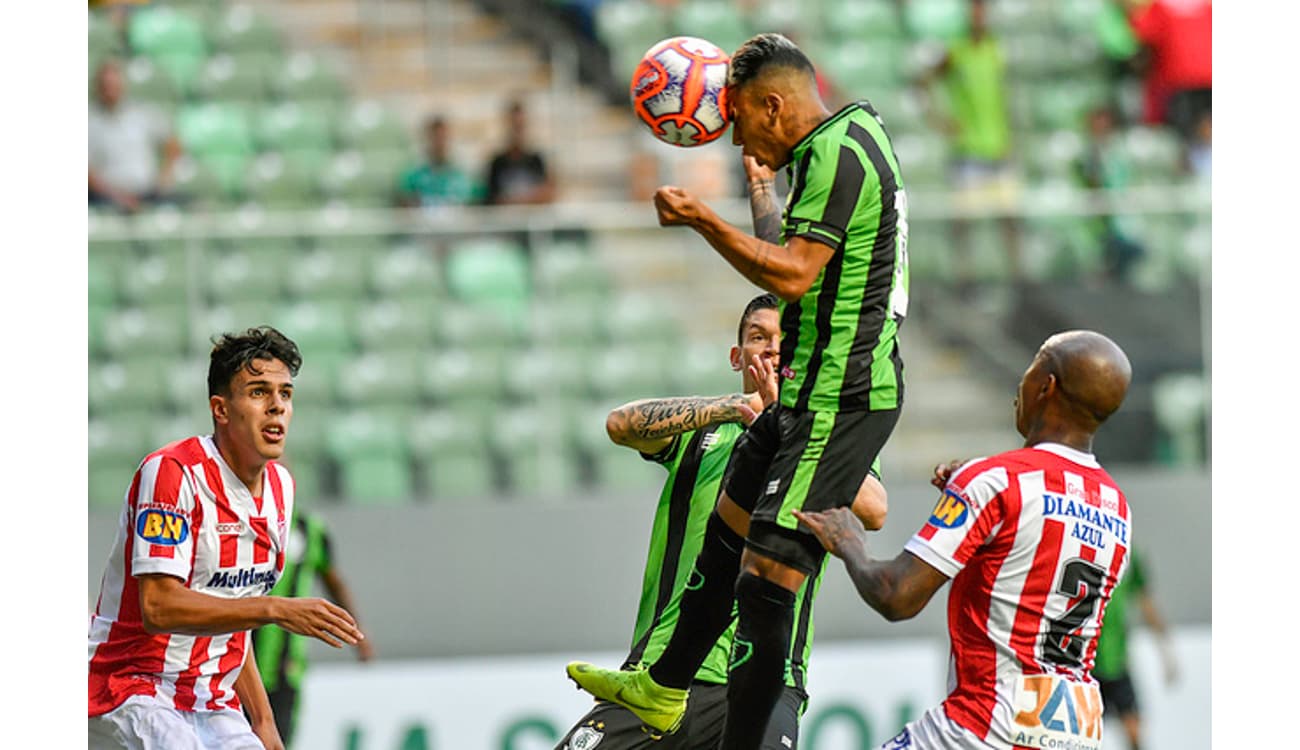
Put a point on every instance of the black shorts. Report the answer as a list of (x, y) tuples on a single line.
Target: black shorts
[(616, 728), (1118, 698), (801, 460)]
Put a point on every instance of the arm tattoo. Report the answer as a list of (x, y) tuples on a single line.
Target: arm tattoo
[(765, 210), (672, 416)]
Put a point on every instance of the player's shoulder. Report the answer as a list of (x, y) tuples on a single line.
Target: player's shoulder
[(186, 452)]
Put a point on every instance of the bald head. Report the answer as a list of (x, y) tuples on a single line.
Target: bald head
[(1076, 381)]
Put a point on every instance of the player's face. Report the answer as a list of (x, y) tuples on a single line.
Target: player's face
[(752, 123), (761, 337), (255, 416), (1027, 401)]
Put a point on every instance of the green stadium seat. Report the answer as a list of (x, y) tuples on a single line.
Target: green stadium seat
[(640, 319), (242, 29), (305, 76), (133, 331), (1064, 104), (226, 78), (1055, 155), (101, 277), (859, 67), (535, 452), (715, 20), (381, 378), (309, 479), (372, 454), (461, 326), (156, 278), (455, 376), (395, 324), (621, 469), (861, 19), (293, 126), (147, 82), (563, 270), (166, 430), (237, 275), (103, 38), (406, 271), (1155, 152), (317, 327), (547, 373), (115, 448), (212, 128), (329, 274), (354, 178), (276, 182), (1181, 402), (96, 316), (202, 185), (172, 38), (702, 368), (185, 382), (787, 18), (628, 28), (468, 477), (935, 19), (627, 372), (921, 155), (371, 126), (442, 432), (125, 385), (575, 325)]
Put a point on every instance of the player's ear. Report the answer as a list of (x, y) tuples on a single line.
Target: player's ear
[(219, 411), (736, 364), (774, 103)]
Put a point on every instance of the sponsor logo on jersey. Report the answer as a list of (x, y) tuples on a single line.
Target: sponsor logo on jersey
[(708, 441), (242, 578), (787, 373), (1091, 522), (586, 737), (903, 740), (231, 528), (951, 511), (1056, 713), (164, 527), (773, 486)]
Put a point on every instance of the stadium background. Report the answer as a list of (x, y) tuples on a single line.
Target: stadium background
[(458, 363)]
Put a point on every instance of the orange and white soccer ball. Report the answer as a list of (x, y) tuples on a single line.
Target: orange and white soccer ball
[(679, 90)]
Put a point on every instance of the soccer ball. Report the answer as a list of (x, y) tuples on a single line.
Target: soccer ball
[(679, 91)]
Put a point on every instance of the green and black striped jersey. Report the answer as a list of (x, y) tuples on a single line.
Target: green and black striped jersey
[(696, 462), (281, 655), (839, 348)]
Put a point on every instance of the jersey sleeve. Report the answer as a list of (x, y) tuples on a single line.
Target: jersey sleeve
[(825, 194), (669, 452), (164, 521), (965, 518)]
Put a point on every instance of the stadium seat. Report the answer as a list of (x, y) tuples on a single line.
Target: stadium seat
[(371, 126), (199, 183), (559, 323), (102, 264), (318, 327), (628, 28), (715, 20), (172, 38), (226, 78), (213, 128), (534, 448), (455, 377), (463, 477), (547, 373), (861, 19), (322, 273), (159, 329), (1181, 402), (242, 29), (1055, 155), (639, 319), (359, 179), (304, 77), (309, 476), (1155, 153), (935, 19), (408, 270), (237, 275), (921, 156), (292, 126), (442, 432), (125, 385), (157, 278), (773, 15), (381, 378), (623, 371), (702, 368), (372, 454), (564, 269), (103, 38), (859, 67), (1063, 104), (276, 182), (115, 448), (147, 82), (621, 469), (461, 326), (397, 324), (185, 382)]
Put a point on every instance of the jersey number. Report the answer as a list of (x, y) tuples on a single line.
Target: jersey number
[(898, 296), (1079, 578)]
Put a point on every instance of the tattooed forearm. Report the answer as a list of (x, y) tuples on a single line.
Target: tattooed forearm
[(672, 416), (765, 210)]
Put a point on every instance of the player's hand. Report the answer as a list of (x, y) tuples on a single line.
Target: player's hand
[(319, 619), (365, 650), (837, 529), (676, 206), (763, 371), (944, 472), (754, 171)]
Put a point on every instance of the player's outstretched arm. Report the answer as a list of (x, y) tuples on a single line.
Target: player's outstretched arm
[(168, 606), (787, 271), (763, 204), (649, 425), (898, 588), (252, 694)]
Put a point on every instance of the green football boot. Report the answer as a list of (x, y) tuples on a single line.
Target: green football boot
[(661, 708)]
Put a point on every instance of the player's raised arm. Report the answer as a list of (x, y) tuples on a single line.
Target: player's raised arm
[(764, 206), (898, 589), (649, 425)]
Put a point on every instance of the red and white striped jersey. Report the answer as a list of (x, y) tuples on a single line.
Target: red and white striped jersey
[(1034, 540), (186, 515)]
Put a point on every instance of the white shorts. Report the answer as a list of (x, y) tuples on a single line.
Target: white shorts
[(143, 722), (934, 731)]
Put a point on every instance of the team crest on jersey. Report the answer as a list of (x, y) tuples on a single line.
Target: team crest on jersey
[(900, 742), (586, 738), (951, 511), (164, 527)]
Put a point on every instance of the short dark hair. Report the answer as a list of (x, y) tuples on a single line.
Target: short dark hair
[(232, 352), (765, 51), (765, 301)]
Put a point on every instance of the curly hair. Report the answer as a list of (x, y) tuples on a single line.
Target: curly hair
[(232, 352)]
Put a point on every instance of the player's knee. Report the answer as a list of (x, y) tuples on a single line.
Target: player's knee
[(871, 504)]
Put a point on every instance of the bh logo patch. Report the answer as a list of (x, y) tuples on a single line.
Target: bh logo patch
[(163, 527), (951, 511)]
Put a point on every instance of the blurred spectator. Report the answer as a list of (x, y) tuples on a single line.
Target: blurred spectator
[(1178, 40), (517, 174), (132, 148), (978, 126), (1104, 165), (438, 181), (1198, 151)]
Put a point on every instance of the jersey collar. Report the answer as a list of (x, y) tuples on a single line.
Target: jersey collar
[(1070, 454), (803, 142)]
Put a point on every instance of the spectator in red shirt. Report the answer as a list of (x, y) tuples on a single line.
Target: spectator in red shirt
[(1177, 36)]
